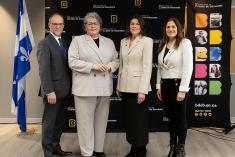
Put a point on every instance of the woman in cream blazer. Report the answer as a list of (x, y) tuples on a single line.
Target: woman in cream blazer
[(134, 84), (93, 59)]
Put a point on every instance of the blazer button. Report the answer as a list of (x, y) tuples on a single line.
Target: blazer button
[(176, 84), (94, 75)]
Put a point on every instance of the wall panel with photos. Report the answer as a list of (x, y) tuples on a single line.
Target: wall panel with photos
[(210, 34)]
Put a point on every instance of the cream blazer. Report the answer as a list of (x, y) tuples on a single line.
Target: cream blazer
[(135, 65), (83, 53)]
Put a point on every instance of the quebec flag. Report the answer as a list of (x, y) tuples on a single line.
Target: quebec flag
[(23, 47)]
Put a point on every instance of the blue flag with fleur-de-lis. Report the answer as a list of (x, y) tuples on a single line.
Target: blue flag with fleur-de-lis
[(23, 47)]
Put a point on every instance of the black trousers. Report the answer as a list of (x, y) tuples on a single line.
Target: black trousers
[(135, 119), (52, 125), (176, 111)]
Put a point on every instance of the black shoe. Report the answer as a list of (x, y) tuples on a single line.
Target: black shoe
[(180, 151), (141, 151), (98, 154), (141, 154), (172, 151), (60, 152), (132, 152)]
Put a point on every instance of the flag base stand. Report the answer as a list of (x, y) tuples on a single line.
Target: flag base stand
[(29, 131)]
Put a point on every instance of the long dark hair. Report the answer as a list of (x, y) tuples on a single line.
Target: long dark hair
[(141, 22), (178, 37)]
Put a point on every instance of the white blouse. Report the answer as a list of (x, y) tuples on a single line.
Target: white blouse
[(178, 63)]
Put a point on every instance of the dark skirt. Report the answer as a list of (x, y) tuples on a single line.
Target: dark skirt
[(135, 119)]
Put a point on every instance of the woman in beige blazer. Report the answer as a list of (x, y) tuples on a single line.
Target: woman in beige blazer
[(134, 84), (93, 59)]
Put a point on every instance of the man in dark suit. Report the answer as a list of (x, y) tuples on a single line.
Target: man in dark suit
[(55, 85)]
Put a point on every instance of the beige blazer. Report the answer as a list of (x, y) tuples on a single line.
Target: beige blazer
[(83, 53), (135, 65)]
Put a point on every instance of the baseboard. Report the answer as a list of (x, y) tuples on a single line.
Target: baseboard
[(232, 119), (39, 120), (13, 120)]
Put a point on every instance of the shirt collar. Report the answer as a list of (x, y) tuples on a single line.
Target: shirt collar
[(56, 37)]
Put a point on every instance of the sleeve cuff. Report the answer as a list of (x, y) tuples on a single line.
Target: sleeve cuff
[(158, 86), (89, 68), (112, 69), (183, 89), (50, 93), (143, 91)]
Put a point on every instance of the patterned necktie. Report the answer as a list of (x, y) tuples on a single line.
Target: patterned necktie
[(62, 46), (61, 43)]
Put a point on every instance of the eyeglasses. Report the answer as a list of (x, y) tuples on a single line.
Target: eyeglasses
[(58, 24), (92, 23)]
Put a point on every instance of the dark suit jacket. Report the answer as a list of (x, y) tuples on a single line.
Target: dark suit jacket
[(54, 71)]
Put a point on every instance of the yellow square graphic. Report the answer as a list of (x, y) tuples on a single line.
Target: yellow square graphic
[(215, 37)]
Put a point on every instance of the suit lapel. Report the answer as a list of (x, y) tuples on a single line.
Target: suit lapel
[(134, 44), (125, 46), (59, 50), (101, 47), (165, 63), (171, 50), (162, 54), (92, 44), (53, 40)]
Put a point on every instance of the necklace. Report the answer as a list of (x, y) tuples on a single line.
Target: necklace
[(169, 45)]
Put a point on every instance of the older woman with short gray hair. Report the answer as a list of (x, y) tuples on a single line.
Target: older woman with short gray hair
[(93, 59), (92, 15)]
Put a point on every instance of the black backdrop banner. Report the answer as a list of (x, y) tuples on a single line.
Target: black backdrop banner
[(155, 12), (209, 30)]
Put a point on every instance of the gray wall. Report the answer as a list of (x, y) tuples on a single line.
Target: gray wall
[(232, 95), (8, 14), (232, 98)]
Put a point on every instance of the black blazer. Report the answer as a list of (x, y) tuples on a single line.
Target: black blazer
[(54, 71)]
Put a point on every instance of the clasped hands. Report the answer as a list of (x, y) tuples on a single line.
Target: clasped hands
[(101, 67)]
